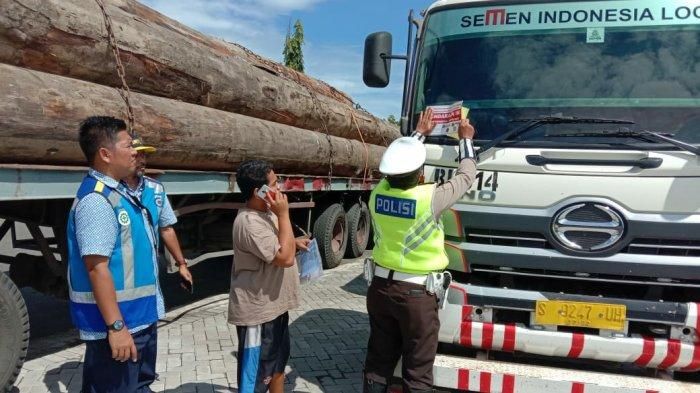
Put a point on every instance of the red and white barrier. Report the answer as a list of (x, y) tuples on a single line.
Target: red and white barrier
[(497, 377), (458, 328)]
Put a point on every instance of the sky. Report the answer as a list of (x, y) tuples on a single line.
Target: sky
[(334, 31)]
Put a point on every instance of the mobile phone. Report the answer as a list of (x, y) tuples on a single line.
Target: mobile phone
[(262, 192), (266, 191), (187, 286)]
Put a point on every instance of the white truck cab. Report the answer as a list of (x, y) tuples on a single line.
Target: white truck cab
[(579, 242)]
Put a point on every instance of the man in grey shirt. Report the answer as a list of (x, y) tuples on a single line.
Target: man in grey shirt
[(264, 279)]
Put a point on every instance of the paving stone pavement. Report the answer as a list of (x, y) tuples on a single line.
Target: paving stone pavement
[(197, 347)]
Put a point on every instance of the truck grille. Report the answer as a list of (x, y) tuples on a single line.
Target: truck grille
[(588, 213), (582, 282), (587, 240), (681, 248), (506, 238), (668, 247)]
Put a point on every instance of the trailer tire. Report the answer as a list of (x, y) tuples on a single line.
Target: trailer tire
[(14, 325), (330, 230), (359, 228)]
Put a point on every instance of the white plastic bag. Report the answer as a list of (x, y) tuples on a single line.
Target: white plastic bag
[(309, 262)]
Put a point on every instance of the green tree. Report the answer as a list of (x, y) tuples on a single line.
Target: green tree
[(293, 55), (393, 120)]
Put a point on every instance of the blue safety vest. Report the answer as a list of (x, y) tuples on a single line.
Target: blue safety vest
[(153, 197), (131, 265)]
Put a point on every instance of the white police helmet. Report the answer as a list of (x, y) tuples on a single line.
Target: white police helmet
[(403, 156)]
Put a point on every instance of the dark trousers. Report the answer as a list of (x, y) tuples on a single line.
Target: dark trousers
[(102, 374), (404, 323)]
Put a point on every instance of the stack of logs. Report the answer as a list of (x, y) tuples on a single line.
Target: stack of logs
[(205, 103)]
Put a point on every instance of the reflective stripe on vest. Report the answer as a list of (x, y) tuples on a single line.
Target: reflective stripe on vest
[(407, 237), (122, 296), (131, 265), (426, 227), (126, 246), (153, 198)]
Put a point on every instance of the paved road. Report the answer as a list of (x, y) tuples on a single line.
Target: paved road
[(197, 347)]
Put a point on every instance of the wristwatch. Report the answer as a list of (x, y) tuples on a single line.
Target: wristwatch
[(118, 325)]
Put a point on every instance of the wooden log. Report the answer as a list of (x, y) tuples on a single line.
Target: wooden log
[(40, 114), (273, 67), (165, 58)]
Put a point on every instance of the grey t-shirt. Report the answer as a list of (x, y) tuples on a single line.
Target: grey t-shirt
[(260, 291)]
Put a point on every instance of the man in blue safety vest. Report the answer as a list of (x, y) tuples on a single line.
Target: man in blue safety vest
[(152, 195), (112, 266)]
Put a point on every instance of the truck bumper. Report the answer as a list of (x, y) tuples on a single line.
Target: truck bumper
[(465, 321), (489, 376)]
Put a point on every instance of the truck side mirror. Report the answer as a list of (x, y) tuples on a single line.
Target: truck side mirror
[(377, 61)]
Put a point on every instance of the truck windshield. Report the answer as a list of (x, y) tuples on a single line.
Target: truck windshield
[(636, 61)]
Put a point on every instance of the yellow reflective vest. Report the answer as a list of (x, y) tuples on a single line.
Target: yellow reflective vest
[(407, 237)]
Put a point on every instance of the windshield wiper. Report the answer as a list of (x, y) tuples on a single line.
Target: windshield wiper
[(675, 142), (534, 123), (646, 135)]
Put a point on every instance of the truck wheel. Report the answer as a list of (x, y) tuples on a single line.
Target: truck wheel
[(14, 325), (330, 230), (358, 230)]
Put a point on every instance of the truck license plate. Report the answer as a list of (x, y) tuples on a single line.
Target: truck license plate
[(581, 314)]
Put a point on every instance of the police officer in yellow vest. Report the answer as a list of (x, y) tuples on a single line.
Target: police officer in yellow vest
[(409, 246)]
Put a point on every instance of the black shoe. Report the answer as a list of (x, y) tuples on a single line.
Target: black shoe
[(370, 386)]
